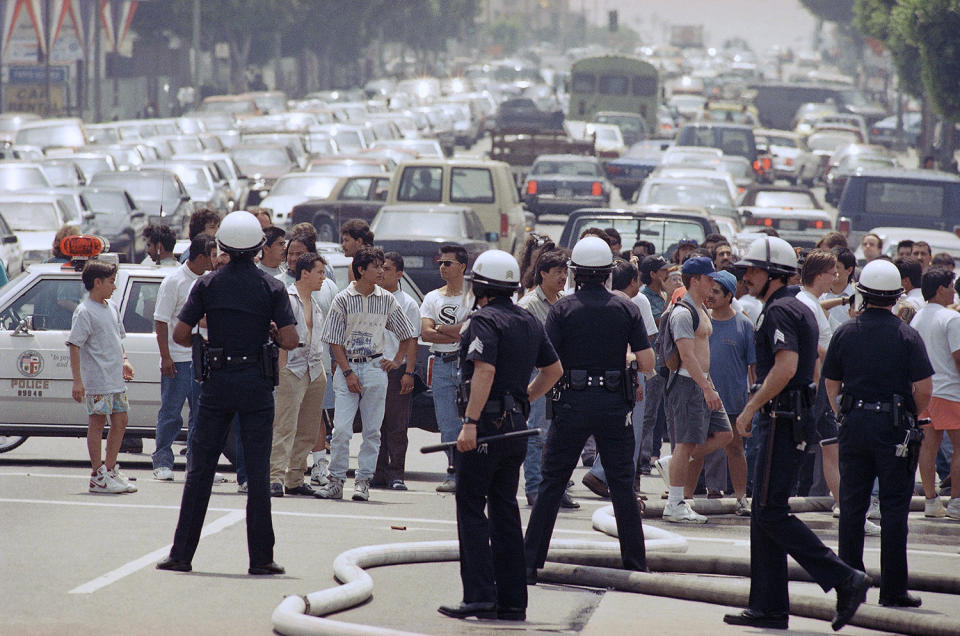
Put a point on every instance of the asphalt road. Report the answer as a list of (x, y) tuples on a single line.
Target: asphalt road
[(78, 563)]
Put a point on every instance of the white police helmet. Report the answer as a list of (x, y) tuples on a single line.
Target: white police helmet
[(591, 253), (497, 269), (772, 254), (880, 282), (240, 231)]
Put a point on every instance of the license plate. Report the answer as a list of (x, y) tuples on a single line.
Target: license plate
[(413, 261), (564, 193), (791, 225)]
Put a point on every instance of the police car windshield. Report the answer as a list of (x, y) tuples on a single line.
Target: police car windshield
[(30, 217)]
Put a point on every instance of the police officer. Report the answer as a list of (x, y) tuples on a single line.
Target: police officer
[(239, 302), (591, 329), (786, 343), (500, 345), (882, 366)]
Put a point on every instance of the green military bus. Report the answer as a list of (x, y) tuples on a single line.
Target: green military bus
[(614, 83)]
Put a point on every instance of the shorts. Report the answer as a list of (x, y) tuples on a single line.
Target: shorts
[(944, 414), (693, 422), (106, 403)]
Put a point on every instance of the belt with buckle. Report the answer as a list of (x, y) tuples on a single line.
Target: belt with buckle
[(364, 358), (448, 357), (877, 407)]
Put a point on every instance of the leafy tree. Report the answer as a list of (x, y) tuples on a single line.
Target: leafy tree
[(874, 19), (933, 27), (839, 11)]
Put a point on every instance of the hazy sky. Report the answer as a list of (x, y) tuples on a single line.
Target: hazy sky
[(762, 23)]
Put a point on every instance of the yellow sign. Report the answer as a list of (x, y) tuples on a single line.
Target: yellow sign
[(32, 98)]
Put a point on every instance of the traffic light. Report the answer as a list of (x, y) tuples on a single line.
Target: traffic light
[(612, 20)]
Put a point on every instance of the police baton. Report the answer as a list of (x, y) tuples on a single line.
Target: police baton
[(436, 448)]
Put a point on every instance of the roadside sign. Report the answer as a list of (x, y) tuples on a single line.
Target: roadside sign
[(37, 74)]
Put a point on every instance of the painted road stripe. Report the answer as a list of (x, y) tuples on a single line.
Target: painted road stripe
[(129, 568)]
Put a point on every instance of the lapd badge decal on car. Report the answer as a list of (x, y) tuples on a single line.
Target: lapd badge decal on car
[(30, 363)]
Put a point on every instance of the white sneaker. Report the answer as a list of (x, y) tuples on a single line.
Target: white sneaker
[(163, 474), (102, 482), (219, 478), (361, 490), (681, 513), (333, 489), (953, 508), (874, 511), (242, 488), (743, 507), (934, 508), (870, 529), (121, 478), (663, 467), (836, 511), (318, 474)]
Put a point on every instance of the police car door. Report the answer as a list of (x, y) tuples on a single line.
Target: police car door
[(139, 297), (35, 378)]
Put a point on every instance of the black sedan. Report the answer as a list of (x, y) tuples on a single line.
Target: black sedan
[(418, 231), (629, 171), (559, 184), (117, 219)]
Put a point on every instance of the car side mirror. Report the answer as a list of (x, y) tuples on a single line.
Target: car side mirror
[(491, 237), (137, 214), (89, 216), (10, 238), (745, 213)]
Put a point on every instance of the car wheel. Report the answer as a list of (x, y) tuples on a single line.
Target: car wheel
[(9, 442), (326, 232)]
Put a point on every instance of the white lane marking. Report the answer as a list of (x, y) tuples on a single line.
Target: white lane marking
[(129, 568)]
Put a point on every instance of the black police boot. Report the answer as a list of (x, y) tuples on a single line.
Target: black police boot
[(531, 576), (850, 595), (511, 613), (266, 570), (754, 618), (466, 610), (174, 565), (901, 600)]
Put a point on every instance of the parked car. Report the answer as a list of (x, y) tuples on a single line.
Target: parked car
[(159, 193), (885, 131), (562, 183), (628, 172), (22, 175), (793, 212), (732, 139), (10, 250), (418, 231), (792, 159), (35, 219), (852, 164), (295, 188), (632, 126), (117, 218), (202, 185), (262, 165), (352, 197)]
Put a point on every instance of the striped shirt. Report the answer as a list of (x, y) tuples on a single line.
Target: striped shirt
[(358, 322)]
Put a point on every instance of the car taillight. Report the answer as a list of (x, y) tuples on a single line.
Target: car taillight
[(789, 161), (596, 189), (843, 226), (766, 163), (531, 187), (504, 224), (819, 225)]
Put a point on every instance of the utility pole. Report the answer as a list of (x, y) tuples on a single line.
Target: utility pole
[(46, 58), (195, 47), (96, 68)]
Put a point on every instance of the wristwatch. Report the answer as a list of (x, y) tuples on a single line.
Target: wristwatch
[(469, 420), (410, 373), (347, 373)]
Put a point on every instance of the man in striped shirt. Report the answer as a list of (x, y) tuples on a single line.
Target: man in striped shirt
[(355, 329)]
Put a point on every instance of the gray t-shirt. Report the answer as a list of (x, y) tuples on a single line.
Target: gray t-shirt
[(97, 331), (681, 320)]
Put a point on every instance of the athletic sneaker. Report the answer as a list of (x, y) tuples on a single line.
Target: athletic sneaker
[(361, 490), (743, 507), (449, 485), (836, 511), (953, 508), (870, 529), (121, 478), (318, 474), (219, 478), (934, 508), (681, 513), (163, 474), (874, 511), (663, 467), (333, 489), (242, 488), (102, 482)]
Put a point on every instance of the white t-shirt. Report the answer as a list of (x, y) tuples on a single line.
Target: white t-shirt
[(841, 313), (823, 323), (412, 311), (98, 332), (751, 307), (940, 329), (445, 310), (646, 312), (171, 298)]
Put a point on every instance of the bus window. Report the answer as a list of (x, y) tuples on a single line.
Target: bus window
[(614, 85), (644, 86), (584, 83)]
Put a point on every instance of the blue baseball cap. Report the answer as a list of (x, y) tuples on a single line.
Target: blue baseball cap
[(726, 279), (697, 266)]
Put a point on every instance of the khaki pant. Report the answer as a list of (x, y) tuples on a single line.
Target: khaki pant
[(296, 424)]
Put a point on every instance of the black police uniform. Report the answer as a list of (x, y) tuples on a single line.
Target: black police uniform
[(785, 324), (590, 330), (876, 356), (239, 302), (491, 553)]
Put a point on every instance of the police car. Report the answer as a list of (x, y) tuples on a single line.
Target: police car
[(36, 309)]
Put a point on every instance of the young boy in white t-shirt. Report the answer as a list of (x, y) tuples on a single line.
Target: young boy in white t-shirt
[(100, 368)]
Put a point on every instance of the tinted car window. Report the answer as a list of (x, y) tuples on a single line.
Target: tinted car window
[(471, 185), (905, 199), (420, 184), (50, 301), (356, 189), (138, 314)]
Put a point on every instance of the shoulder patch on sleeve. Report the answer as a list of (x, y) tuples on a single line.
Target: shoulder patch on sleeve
[(475, 347), (779, 337)]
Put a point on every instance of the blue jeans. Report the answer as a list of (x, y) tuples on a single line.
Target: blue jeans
[(944, 455), (446, 379), (636, 416), (173, 392), (371, 402), (533, 461)]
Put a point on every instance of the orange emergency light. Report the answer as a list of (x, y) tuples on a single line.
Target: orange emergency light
[(83, 246)]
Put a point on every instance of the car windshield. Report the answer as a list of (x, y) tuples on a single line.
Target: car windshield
[(786, 142), (663, 233), (678, 194), (191, 176), (142, 187), (43, 136), (737, 167), (849, 164), (22, 178), (783, 200), (572, 168), (253, 158), (92, 165), (61, 173), (348, 140), (445, 224), (830, 141), (105, 201), (319, 187), (30, 217)]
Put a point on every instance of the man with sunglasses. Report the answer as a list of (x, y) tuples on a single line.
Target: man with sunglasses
[(441, 315)]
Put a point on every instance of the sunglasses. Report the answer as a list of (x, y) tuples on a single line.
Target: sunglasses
[(446, 263)]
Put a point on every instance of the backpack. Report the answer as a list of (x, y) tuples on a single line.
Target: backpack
[(666, 348)]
